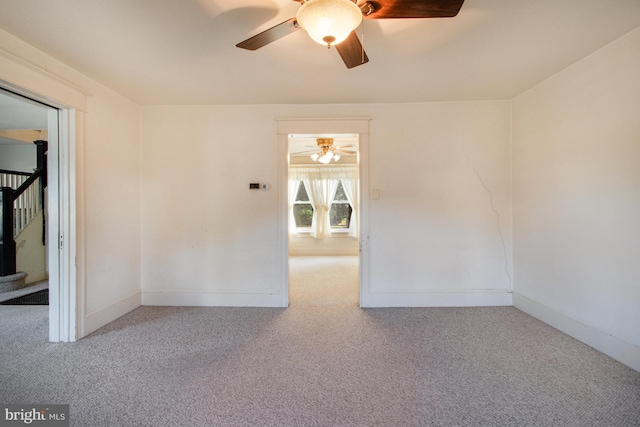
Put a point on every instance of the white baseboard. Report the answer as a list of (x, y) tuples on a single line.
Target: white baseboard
[(438, 299), (610, 345), (207, 299), (97, 319)]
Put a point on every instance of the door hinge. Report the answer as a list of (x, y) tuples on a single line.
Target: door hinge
[(60, 242)]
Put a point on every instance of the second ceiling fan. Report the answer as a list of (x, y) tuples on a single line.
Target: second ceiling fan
[(325, 151), (333, 22)]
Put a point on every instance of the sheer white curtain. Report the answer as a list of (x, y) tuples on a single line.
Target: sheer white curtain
[(321, 184), (293, 192), (350, 186), (321, 193)]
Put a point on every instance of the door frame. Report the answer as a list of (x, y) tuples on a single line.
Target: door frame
[(61, 247), (25, 78), (358, 126)]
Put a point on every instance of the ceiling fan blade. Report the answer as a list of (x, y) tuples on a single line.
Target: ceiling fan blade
[(346, 152), (272, 34), (391, 9), (351, 51)]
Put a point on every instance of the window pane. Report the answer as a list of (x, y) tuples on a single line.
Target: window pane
[(303, 214), (302, 194), (340, 193), (340, 215)]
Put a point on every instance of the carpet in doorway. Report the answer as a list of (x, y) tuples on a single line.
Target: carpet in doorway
[(323, 281)]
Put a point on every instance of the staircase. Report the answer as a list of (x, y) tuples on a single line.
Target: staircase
[(21, 200)]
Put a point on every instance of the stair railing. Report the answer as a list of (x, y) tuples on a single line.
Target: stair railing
[(26, 197), (21, 199)]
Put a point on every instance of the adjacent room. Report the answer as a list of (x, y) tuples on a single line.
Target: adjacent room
[(323, 242), (23, 175)]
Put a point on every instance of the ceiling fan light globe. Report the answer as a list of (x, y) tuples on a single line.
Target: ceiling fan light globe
[(329, 22), (325, 159)]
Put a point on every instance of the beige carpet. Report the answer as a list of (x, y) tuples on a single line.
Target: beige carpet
[(323, 281), (316, 367)]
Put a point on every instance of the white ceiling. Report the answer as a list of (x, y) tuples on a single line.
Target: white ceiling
[(17, 113), (183, 51)]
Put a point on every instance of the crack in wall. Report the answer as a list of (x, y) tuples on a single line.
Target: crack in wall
[(504, 246)]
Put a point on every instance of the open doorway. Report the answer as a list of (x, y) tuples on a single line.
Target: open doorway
[(360, 127), (59, 202), (323, 220), (25, 129)]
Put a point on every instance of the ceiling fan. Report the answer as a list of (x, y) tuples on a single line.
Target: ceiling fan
[(333, 22), (326, 151)]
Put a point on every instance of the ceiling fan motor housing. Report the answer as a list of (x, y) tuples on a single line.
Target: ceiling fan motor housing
[(324, 142)]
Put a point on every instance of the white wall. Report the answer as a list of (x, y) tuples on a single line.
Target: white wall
[(207, 239), (18, 157), (31, 254), (576, 162), (337, 244), (111, 161), (441, 230)]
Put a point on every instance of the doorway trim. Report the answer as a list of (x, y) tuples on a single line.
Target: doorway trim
[(27, 79), (61, 233), (324, 126)]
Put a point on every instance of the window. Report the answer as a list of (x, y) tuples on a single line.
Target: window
[(302, 209), (339, 215)]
